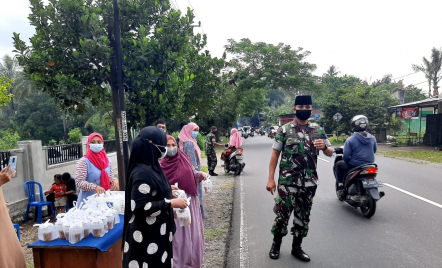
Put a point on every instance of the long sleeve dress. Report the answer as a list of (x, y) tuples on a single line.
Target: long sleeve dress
[(190, 151), (149, 233), (188, 241)]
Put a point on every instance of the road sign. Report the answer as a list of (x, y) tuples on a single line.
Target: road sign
[(337, 117), (316, 116)]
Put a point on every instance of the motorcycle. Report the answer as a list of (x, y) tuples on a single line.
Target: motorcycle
[(252, 133), (245, 134), (272, 133), (262, 132), (360, 186), (235, 162)]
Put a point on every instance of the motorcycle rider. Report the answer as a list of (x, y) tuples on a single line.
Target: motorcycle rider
[(359, 149)]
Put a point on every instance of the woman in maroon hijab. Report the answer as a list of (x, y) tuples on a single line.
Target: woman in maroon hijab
[(188, 241)]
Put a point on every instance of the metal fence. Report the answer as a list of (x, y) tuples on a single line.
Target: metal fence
[(64, 153), (110, 146), (4, 159)]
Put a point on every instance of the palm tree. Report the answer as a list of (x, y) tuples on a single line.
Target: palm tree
[(332, 71), (432, 71)]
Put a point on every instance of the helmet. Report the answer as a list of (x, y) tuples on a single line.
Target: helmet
[(359, 123)]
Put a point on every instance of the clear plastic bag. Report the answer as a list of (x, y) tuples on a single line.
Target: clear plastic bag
[(97, 228), (59, 227), (208, 186), (183, 215), (86, 229), (47, 231), (66, 226), (76, 233), (110, 220)]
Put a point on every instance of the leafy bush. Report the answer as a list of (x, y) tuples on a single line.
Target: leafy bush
[(52, 142), (337, 140), (8, 139), (201, 141), (175, 135), (75, 135)]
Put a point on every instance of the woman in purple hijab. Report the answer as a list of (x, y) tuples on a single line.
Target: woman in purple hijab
[(188, 241)]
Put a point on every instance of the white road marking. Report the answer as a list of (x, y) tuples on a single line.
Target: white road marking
[(413, 195), (243, 249), (324, 160)]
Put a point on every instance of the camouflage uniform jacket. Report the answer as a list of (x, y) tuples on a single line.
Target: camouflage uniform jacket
[(299, 158), (210, 143)]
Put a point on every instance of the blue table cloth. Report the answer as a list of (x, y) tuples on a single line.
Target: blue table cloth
[(102, 243)]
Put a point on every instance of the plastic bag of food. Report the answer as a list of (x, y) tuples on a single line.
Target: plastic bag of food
[(86, 228), (208, 186), (76, 232), (47, 231), (183, 215), (97, 227), (66, 226), (104, 222), (110, 219)]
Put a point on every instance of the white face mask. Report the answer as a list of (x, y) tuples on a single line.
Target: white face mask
[(96, 148), (172, 151)]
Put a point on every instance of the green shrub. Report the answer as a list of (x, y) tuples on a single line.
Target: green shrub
[(75, 135), (175, 135), (8, 139), (52, 142), (200, 139), (337, 140)]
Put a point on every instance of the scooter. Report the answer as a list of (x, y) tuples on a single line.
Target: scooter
[(272, 133), (252, 133), (360, 186), (245, 134), (235, 162), (261, 132)]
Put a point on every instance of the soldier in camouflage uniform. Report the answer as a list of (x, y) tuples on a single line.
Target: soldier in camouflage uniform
[(210, 144), (299, 142)]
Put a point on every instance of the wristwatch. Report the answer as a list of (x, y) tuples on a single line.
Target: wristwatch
[(326, 147)]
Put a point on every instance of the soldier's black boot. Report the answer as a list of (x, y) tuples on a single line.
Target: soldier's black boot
[(297, 250), (211, 173), (276, 246)]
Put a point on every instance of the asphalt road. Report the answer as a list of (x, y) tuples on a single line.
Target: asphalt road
[(405, 231)]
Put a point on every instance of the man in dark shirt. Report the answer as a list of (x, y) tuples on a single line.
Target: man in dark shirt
[(71, 189)]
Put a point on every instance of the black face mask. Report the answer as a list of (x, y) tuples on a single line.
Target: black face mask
[(303, 114), (215, 132)]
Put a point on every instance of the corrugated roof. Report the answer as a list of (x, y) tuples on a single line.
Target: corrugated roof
[(420, 104)]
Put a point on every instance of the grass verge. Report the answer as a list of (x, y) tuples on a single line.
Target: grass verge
[(430, 156)]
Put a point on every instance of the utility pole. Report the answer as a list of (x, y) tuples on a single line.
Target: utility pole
[(119, 108)]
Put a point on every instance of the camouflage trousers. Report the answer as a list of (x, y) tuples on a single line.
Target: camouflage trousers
[(211, 160), (297, 199)]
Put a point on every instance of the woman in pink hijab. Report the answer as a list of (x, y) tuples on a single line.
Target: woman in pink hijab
[(235, 142), (190, 147)]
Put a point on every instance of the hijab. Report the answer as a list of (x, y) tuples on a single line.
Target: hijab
[(235, 140), (99, 160), (186, 135), (144, 158), (178, 168)]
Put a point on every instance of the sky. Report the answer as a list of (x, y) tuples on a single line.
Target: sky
[(368, 39)]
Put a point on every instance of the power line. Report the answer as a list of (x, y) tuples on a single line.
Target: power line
[(405, 75), (202, 29), (176, 3)]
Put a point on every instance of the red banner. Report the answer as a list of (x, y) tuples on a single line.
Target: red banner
[(407, 112)]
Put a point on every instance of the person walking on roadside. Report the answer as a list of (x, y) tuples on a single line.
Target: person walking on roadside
[(148, 216), (188, 241), (210, 144), (300, 143), (189, 146), (11, 254), (94, 170)]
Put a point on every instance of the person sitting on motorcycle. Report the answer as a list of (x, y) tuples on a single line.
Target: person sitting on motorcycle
[(359, 149), (235, 142)]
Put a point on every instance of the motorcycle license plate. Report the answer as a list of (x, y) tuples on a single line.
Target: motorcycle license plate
[(239, 158), (371, 184)]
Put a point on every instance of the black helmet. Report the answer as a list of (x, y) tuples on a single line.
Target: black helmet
[(359, 123)]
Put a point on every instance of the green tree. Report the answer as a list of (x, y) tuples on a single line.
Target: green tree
[(71, 57), (261, 65), (8, 139), (5, 96), (332, 71), (39, 118)]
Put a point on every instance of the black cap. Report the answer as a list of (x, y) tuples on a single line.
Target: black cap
[(303, 100)]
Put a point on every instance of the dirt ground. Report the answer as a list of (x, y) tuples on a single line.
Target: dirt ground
[(389, 148), (218, 209)]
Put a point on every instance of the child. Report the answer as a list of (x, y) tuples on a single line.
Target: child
[(59, 189)]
